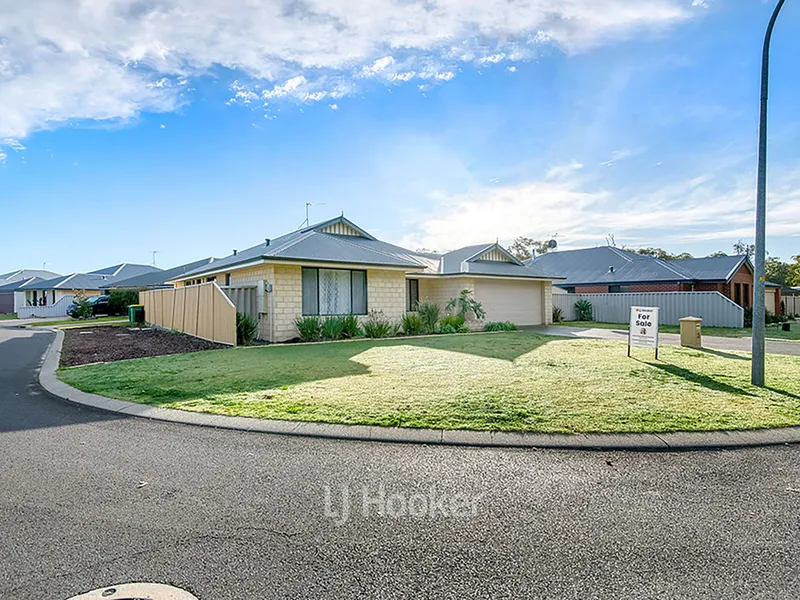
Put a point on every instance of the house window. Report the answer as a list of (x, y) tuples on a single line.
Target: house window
[(570, 289), (746, 288), (412, 294), (227, 278), (334, 291), (619, 289), (737, 293), (210, 279)]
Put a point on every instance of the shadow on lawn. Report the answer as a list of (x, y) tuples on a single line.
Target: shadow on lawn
[(722, 354), (704, 380)]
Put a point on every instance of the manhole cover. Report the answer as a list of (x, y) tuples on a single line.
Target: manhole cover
[(136, 591)]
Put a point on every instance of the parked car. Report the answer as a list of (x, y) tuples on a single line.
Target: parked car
[(99, 306)]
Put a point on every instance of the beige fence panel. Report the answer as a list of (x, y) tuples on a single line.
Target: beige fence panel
[(244, 298), (202, 311), (791, 304)]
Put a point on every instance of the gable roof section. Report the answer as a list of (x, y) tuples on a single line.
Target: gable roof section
[(19, 284), (125, 270), (155, 279), (26, 274), (316, 243), (479, 259), (607, 265)]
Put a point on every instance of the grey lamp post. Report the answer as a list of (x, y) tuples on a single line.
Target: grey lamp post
[(757, 374)]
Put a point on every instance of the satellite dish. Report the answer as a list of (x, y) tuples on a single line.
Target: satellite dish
[(552, 244)]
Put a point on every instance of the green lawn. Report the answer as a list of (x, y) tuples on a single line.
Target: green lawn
[(773, 332), (505, 381), (7, 316), (80, 322)]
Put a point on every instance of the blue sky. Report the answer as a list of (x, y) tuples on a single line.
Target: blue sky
[(193, 128)]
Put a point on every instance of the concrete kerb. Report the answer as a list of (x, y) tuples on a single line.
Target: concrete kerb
[(690, 440)]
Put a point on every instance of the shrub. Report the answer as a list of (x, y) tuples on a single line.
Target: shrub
[(451, 322), (558, 315), (463, 329), (429, 313), (447, 329), (120, 300), (377, 325), (332, 328), (768, 317), (583, 308), (309, 328), (413, 324), (465, 304), (500, 326), (83, 310), (246, 329), (350, 327)]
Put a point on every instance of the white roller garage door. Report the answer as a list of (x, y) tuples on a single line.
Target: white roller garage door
[(510, 300)]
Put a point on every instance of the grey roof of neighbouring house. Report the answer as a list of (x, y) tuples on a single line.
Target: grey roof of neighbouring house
[(19, 284), (93, 280), (607, 265), (467, 260), (155, 279), (25, 274), (311, 244)]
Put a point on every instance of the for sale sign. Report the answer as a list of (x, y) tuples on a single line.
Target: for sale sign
[(643, 331)]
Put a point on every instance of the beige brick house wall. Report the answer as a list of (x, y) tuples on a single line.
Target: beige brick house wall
[(440, 291), (386, 292), (547, 302), (287, 301)]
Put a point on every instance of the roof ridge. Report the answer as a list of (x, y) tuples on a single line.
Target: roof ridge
[(376, 250), (286, 245)]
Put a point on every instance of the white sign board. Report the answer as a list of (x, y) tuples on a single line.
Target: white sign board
[(643, 331)]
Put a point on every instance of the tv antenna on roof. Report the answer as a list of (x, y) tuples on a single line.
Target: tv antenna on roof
[(306, 223)]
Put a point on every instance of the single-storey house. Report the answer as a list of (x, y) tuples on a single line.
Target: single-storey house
[(11, 283), (611, 270), (335, 268), (51, 297)]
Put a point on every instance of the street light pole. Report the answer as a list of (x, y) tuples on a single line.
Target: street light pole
[(757, 374)]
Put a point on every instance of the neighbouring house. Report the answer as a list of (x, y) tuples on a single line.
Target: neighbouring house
[(337, 268), (154, 280), (611, 270), (51, 297), (11, 283)]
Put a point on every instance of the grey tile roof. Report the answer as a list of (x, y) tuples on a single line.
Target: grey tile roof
[(24, 274), (154, 279), (607, 265), (20, 284), (76, 281), (310, 244), (125, 270)]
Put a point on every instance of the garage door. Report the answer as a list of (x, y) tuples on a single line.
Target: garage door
[(508, 300)]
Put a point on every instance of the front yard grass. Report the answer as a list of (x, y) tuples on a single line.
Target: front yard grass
[(7, 316), (773, 332), (517, 381)]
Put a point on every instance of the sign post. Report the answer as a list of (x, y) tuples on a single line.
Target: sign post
[(643, 331)]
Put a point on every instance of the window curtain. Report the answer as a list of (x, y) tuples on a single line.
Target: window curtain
[(334, 292)]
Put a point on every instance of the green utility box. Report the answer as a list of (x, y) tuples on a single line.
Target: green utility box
[(136, 313)]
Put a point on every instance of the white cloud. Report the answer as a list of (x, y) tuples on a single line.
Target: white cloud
[(162, 126), (3, 157), (14, 144), (493, 58), (512, 68), (378, 66), (698, 209), (562, 170), (446, 76), (334, 106), (72, 60)]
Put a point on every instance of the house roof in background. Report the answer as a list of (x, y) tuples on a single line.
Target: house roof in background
[(24, 274), (608, 265), (314, 245), (155, 279), (20, 284), (125, 270)]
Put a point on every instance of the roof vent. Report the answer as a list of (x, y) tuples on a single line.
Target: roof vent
[(235, 251), (611, 269), (267, 242)]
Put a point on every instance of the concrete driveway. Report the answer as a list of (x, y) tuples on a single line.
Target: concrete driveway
[(88, 499), (714, 342)]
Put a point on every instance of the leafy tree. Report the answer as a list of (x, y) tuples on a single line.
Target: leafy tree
[(793, 276), (741, 247), (663, 254), (83, 309), (524, 247), (717, 253), (776, 270)]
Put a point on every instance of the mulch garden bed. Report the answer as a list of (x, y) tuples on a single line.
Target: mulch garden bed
[(87, 345)]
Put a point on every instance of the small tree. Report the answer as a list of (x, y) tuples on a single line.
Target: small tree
[(465, 304), (83, 309), (583, 308)]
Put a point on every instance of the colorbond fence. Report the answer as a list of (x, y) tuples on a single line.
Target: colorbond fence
[(202, 311), (791, 304), (715, 309), (59, 309)]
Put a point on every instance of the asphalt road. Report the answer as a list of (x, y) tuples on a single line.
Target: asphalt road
[(88, 499)]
